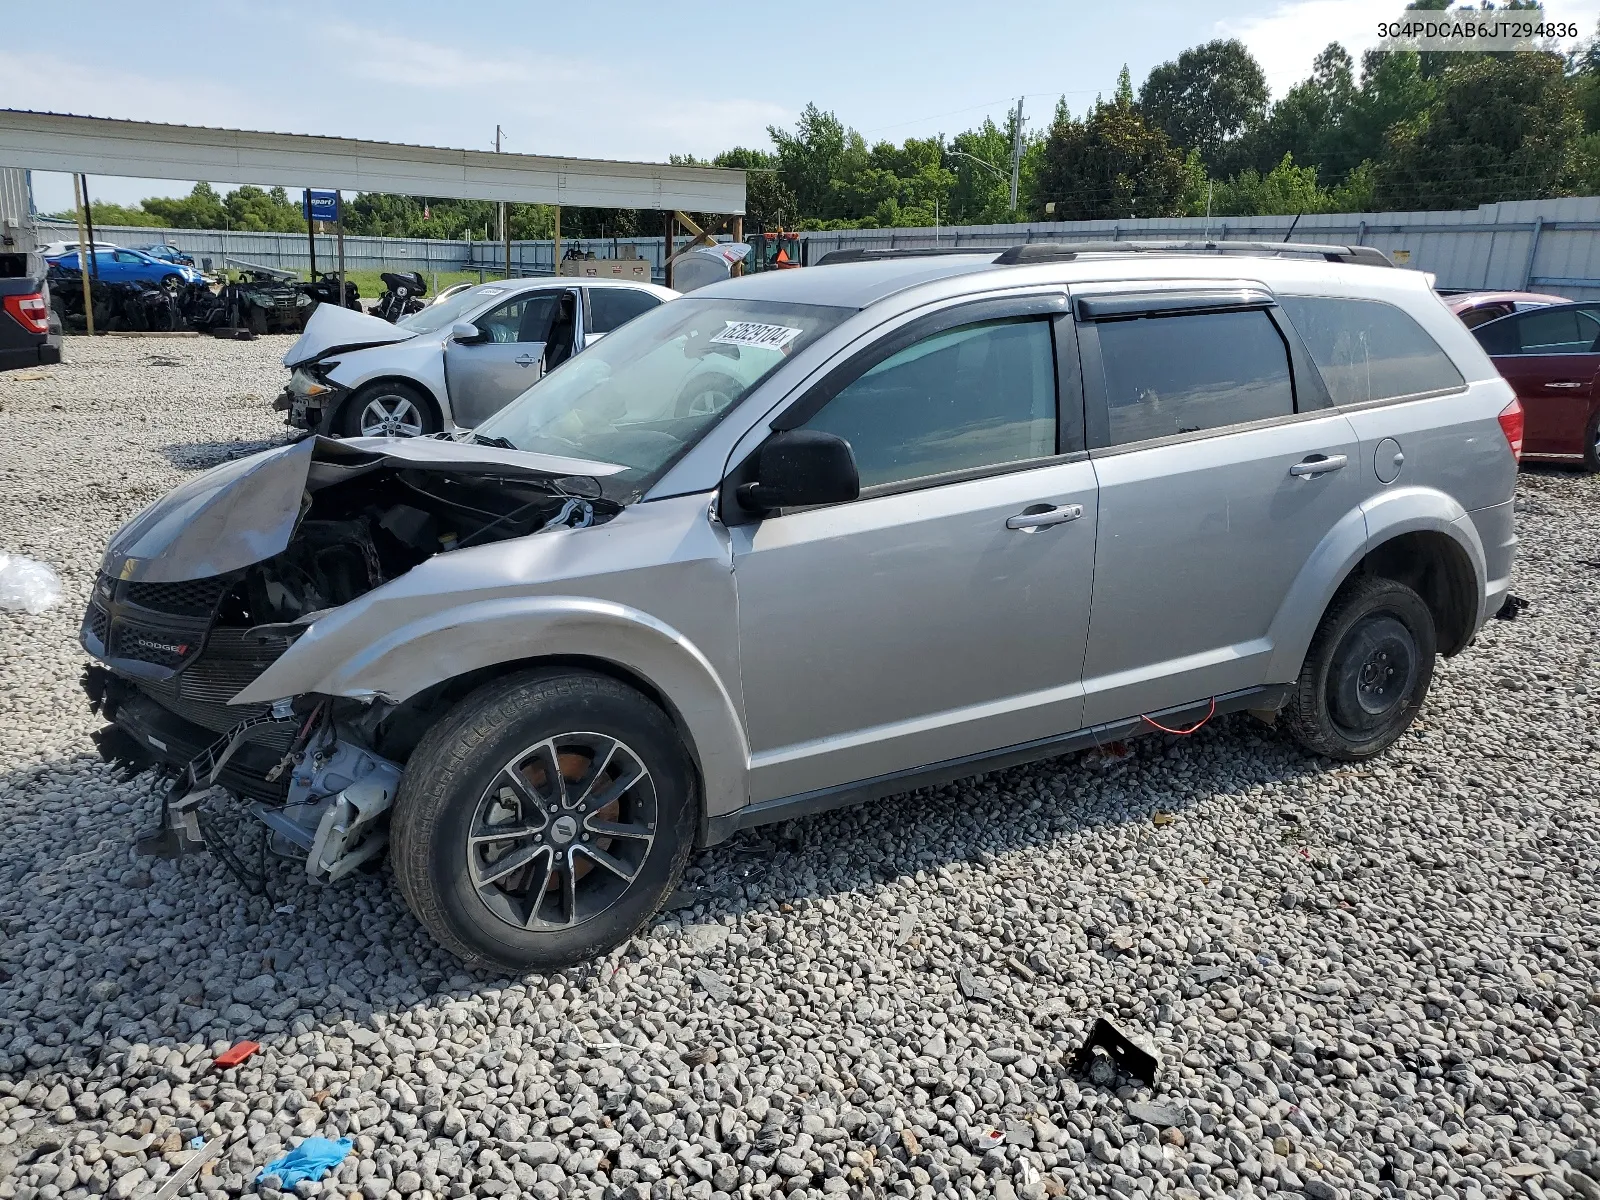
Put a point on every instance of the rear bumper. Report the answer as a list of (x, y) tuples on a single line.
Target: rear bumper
[(36, 352), (1496, 527)]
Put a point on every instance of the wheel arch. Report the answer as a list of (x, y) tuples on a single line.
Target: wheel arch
[(355, 395), (446, 654), (1417, 536)]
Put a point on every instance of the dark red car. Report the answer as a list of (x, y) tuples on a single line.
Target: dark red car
[(1479, 308), (1551, 356)]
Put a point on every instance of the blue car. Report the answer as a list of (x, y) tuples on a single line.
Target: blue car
[(119, 265), (168, 253)]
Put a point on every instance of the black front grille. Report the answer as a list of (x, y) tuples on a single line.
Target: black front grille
[(200, 692), (161, 624), (160, 646), (191, 596)]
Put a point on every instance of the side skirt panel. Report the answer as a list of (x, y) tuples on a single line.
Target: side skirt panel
[(807, 804)]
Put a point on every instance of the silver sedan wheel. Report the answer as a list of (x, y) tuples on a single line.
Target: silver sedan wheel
[(391, 416), (562, 831)]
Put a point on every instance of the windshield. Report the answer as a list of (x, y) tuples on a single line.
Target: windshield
[(450, 310), (647, 393)]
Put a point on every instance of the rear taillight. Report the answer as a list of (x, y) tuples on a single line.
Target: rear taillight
[(30, 312), (1511, 426)]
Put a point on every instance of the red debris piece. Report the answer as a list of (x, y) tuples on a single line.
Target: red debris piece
[(236, 1054)]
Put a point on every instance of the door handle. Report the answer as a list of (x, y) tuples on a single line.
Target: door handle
[(1027, 522), (1318, 464), (1565, 384), (525, 360)]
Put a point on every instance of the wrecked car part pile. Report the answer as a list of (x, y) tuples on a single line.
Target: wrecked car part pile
[(185, 614)]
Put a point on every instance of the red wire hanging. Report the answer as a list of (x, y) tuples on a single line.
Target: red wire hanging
[(1195, 728)]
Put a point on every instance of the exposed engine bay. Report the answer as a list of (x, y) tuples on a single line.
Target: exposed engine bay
[(180, 625)]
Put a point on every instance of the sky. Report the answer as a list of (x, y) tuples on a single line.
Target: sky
[(625, 80)]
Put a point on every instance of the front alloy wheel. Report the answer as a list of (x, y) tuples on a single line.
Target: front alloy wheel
[(562, 830), (388, 410), (390, 416), (543, 820)]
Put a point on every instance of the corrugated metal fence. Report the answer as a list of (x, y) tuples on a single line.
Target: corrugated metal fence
[(291, 252), (1543, 245), (16, 233), (1547, 245)]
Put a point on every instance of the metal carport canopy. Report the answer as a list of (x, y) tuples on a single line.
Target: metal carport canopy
[(44, 141)]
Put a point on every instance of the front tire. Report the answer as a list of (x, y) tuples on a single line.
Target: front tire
[(388, 409), (1591, 444), (1366, 673), (543, 821)]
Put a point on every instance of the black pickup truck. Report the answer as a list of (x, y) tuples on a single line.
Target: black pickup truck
[(30, 331)]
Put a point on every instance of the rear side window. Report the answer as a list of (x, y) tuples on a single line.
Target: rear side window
[(1474, 317), (1184, 374), (611, 307), (977, 396), (1542, 331), (1369, 350)]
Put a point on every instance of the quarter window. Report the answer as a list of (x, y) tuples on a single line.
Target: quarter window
[(980, 395), (1183, 374), (611, 307), (1369, 350), (1543, 331)]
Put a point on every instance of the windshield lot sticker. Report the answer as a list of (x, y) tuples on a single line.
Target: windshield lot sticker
[(756, 335)]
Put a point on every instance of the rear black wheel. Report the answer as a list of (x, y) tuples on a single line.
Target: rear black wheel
[(543, 821), (1366, 673), (1591, 443)]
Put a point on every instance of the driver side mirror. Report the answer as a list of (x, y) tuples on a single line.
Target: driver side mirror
[(467, 333), (799, 467)]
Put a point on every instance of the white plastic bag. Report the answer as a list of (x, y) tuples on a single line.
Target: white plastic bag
[(27, 584)]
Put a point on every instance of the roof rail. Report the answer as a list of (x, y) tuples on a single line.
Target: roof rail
[(1047, 252), (874, 254), (1042, 252)]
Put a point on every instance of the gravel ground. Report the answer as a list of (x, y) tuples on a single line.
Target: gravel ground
[(1359, 980)]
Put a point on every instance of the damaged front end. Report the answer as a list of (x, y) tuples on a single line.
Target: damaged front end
[(207, 588)]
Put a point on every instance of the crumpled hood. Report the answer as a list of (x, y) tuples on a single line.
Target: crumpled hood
[(332, 327), (245, 511)]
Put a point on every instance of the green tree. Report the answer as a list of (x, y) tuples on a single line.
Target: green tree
[(104, 213), (1502, 129), (202, 208), (1205, 99), (769, 204), (1306, 122), (809, 159), (260, 211), (1109, 165), (981, 195)]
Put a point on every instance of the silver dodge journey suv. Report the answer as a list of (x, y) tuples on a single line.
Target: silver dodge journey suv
[(810, 538)]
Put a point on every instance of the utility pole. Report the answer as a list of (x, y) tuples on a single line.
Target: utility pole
[(85, 251), (504, 229), (1016, 151)]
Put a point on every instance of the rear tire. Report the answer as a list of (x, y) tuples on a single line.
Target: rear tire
[(511, 871), (1591, 444), (1366, 673)]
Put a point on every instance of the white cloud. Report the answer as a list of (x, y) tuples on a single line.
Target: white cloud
[(1287, 39), (51, 83)]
